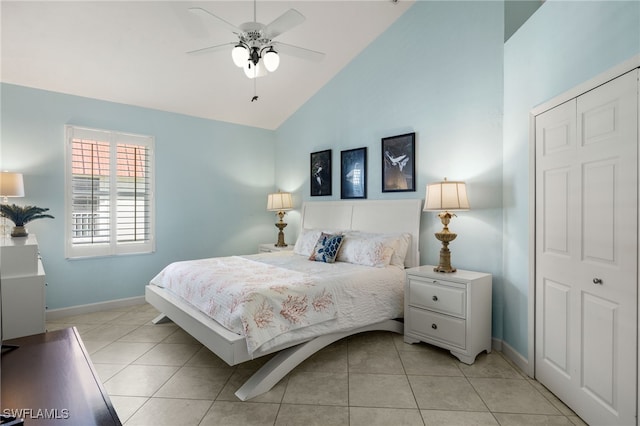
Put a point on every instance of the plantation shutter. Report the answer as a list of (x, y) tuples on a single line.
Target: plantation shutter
[(133, 193), (110, 208)]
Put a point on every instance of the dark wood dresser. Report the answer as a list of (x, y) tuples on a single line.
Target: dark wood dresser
[(50, 380)]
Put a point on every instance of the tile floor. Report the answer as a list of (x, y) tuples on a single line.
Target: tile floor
[(159, 375)]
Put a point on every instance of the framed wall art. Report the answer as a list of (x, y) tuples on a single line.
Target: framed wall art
[(399, 163), (353, 173), (320, 173)]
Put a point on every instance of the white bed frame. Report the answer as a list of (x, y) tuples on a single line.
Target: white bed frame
[(382, 216)]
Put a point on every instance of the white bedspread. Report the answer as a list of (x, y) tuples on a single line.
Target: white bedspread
[(275, 298)]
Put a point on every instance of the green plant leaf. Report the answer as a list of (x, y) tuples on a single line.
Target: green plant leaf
[(22, 215)]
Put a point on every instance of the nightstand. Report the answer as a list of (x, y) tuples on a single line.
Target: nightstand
[(449, 310), (270, 247)]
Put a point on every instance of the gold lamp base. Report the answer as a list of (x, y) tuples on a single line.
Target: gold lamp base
[(445, 236), (280, 225)]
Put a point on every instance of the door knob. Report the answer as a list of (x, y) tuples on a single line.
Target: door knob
[(597, 281)]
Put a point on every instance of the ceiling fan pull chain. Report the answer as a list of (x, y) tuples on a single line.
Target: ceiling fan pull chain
[(255, 95)]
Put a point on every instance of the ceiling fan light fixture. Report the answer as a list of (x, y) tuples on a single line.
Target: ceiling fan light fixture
[(240, 55), (271, 60)]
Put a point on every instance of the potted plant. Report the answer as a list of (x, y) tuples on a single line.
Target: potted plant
[(20, 216)]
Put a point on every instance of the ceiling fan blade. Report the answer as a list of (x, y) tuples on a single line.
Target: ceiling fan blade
[(207, 15), (284, 22), (211, 48), (192, 24), (300, 52)]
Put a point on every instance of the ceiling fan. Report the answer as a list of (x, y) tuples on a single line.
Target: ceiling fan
[(256, 51)]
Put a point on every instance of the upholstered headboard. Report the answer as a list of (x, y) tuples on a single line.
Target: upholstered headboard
[(383, 216)]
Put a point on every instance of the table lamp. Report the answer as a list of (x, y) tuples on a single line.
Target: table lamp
[(11, 185), (446, 196), (280, 202)]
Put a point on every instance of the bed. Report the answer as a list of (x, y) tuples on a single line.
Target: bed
[(293, 347)]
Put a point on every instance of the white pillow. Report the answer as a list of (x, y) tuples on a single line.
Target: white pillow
[(400, 252), (306, 241), (399, 244), (366, 251)]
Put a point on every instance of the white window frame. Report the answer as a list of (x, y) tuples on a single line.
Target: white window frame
[(112, 247)]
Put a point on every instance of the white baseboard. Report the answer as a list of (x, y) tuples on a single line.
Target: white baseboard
[(514, 356), (53, 314), (496, 344)]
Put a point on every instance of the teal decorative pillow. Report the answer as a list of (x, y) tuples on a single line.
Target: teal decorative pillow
[(326, 248)]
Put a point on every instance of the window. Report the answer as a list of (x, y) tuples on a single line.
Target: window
[(109, 193)]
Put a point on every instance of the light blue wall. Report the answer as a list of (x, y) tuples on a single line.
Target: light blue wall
[(438, 72), (210, 194), (562, 45)]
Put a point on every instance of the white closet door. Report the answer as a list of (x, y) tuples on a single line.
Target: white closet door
[(587, 251)]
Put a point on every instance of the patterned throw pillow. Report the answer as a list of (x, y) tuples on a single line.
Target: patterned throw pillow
[(326, 248)]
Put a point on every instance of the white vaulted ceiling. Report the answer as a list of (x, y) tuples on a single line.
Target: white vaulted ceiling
[(135, 52)]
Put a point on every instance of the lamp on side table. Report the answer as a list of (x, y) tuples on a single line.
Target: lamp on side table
[(280, 202), (446, 196)]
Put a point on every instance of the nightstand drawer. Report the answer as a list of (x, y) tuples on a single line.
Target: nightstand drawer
[(434, 296), (444, 328)]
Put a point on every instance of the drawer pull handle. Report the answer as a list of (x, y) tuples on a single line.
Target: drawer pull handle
[(434, 326), (434, 298)]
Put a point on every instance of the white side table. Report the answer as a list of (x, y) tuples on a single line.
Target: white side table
[(270, 247), (449, 310), (23, 287)]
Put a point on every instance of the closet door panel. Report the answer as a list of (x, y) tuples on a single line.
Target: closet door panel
[(599, 349)]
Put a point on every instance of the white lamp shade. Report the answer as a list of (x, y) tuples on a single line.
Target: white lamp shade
[(252, 70), (240, 56), (280, 201), (11, 184), (271, 60), (446, 195)]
